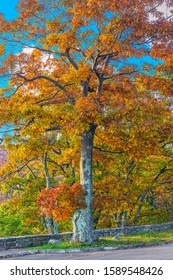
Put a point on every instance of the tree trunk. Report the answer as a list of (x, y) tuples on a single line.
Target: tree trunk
[(55, 227), (142, 199), (46, 171), (48, 219), (82, 219)]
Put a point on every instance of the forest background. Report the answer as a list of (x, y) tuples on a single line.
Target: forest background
[(91, 83)]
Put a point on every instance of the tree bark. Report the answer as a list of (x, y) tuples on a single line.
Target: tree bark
[(48, 220), (82, 219), (142, 199)]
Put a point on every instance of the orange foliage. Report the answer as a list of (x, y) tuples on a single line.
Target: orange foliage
[(61, 201), (78, 73)]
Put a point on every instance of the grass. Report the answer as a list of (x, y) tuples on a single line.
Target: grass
[(132, 239)]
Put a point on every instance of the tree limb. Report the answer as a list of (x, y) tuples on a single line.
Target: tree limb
[(107, 151), (43, 77)]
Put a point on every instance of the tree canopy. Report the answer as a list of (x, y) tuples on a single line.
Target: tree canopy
[(74, 90)]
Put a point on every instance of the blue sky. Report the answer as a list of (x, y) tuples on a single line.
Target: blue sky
[(7, 7)]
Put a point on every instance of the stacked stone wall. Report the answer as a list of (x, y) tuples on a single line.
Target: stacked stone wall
[(17, 242)]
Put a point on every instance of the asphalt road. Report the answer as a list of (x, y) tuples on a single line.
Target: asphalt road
[(163, 252)]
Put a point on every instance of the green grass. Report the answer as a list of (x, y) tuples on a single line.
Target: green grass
[(132, 239)]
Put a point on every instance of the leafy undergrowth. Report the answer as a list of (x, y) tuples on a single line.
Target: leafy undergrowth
[(132, 239)]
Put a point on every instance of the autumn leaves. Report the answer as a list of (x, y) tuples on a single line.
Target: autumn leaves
[(78, 74)]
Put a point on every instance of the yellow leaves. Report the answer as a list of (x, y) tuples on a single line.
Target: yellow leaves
[(2, 49), (66, 39), (140, 85), (77, 76), (116, 20), (63, 40), (53, 25), (90, 51), (87, 109), (68, 154), (107, 38), (52, 40), (36, 53), (84, 71)]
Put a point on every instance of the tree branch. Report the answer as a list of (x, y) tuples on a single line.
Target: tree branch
[(42, 77), (33, 174), (163, 170), (107, 151), (17, 170), (57, 127), (71, 60), (54, 162), (32, 47)]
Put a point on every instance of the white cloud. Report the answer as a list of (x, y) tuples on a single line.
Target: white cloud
[(164, 9)]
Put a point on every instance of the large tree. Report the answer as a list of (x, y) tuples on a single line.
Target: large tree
[(71, 68)]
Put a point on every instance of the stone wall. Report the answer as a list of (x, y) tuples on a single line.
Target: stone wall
[(31, 240), (36, 240), (134, 229)]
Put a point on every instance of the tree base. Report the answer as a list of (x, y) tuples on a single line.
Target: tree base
[(82, 227)]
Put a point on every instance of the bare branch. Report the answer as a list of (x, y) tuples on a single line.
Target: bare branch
[(43, 77), (54, 162), (80, 51), (17, 170), (107, 151), (170, 142), (57, 152), (163, 170), (32, 47), (71, 60), (153, 8), (130, 169), (18, 87), (111, 54), (127, 73), (57, 127), (33, 174)]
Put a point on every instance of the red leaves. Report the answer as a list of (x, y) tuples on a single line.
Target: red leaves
[(62, 201)]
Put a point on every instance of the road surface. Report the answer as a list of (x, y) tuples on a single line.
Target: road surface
[(163, 252)]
